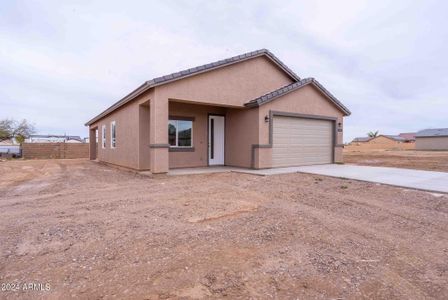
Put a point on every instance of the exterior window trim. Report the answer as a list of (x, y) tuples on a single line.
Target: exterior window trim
[(103, 136), (113, 131), (176, 119)]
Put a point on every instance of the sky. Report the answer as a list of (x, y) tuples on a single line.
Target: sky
[(64, 62)]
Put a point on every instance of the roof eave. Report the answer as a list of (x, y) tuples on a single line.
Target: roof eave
[(431, 136), (308, 81), (192, 72), (135, 93)]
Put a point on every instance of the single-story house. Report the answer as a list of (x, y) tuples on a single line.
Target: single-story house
[(53, 138), (395, 138), (248, 111), (9, 150), (9, 142), (361, 139), (408, 136), (380, 142), (432, 139)]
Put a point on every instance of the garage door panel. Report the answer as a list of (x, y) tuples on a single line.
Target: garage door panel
[(289, 147), (299, 141), (303, 135)]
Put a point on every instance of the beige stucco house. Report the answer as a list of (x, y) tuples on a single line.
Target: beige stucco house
[(381, 142), (432, 139), (247, 111)]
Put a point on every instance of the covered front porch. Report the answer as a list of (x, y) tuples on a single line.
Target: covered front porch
[(228, 169), (192, 135)]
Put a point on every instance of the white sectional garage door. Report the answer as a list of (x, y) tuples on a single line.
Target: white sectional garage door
[(300, 141)]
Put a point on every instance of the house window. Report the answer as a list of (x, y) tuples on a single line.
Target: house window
[(180, 133), (113, 135), (103, 136)]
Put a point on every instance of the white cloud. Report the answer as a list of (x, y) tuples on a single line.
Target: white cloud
[(62, 62)]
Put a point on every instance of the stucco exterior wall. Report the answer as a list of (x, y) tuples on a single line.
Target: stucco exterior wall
[(307, 100), (241, 134), (232, 85), (198, 157), (129, 138), (431, 143), (229, 86), (144, 161)]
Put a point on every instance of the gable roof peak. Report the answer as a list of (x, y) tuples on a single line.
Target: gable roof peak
[(195, 71), (295, 86), (221, 63)]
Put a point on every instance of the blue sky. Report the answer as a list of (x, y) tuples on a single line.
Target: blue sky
[(63, 62)]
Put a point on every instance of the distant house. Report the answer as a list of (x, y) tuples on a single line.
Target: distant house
[(8, 142), (381, 142), (432, 139), (52, 138), (379, 139), (9, 148), (408, 136), (361, 139), (395, 138)]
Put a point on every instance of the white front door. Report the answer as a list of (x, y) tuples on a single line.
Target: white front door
[(216, 140)]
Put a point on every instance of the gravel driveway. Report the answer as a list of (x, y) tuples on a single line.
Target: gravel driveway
[(90, 231)]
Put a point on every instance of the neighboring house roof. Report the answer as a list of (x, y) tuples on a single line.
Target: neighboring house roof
[(295, 86), (7, 142), (437, 132), (395, 137), (367, 139), (49, 136), (361, 139), (194, 71), (409, 136)]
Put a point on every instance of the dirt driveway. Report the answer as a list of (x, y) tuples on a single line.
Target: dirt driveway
[(90, 231), (409, 159)]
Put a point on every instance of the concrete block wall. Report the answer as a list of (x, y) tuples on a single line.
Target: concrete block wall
[(54, 150)]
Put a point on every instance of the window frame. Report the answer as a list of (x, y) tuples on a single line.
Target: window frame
[(103, 136), (176, 120), (113, 131)]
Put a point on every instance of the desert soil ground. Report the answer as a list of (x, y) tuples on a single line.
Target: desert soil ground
[(94, 232), (409, 159)]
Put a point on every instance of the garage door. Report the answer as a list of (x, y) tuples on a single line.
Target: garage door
[(299, 141)]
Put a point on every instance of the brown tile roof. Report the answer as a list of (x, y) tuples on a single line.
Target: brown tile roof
[(194, 71), (409, 136)]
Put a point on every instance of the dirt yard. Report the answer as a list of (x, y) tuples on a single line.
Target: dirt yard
[(90, 231), (409, 159)]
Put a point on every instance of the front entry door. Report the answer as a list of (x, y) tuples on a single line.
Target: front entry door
[(216, 140)]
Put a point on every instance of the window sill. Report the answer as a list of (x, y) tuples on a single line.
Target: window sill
[(181, 149)]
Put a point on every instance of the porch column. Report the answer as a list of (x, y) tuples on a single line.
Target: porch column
[(158, 134), (92, 144)]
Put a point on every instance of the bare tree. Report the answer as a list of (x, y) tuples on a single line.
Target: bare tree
[(13, 129)]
